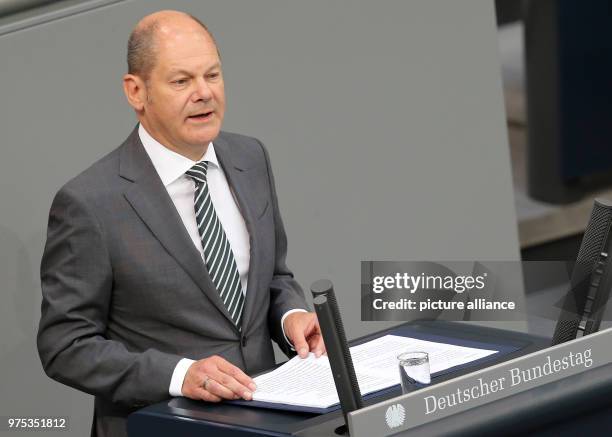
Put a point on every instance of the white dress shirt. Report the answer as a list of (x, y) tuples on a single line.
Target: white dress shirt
[(171, 168)]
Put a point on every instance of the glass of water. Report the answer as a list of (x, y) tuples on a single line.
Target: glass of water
[(414, 369)]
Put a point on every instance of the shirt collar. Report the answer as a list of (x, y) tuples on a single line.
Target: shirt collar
[(171, 165)]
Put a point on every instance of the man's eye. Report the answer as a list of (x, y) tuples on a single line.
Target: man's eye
[(180, 81), (213, 75)]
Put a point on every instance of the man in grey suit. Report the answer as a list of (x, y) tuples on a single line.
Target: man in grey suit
[(164, 270)]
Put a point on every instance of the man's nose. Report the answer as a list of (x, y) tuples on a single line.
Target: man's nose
[(202, 91)]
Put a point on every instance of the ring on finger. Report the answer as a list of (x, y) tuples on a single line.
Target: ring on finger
[(206, 381)]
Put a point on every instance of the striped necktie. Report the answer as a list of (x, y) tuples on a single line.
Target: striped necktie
[(218, 254)]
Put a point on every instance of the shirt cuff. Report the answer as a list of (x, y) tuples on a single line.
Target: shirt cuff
[(178, 376), (297, 310)]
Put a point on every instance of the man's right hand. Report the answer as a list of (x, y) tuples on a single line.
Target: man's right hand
[(214, 378)]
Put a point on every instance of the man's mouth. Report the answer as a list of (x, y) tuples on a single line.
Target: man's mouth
[(201, 116)]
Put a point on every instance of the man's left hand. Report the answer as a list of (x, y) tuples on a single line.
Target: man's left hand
[(303, 330)]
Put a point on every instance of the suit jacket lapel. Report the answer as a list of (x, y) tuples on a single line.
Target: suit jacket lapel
[(150, 199), (235, 175)]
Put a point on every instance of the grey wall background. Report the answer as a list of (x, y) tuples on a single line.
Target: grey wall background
[(384, 122)]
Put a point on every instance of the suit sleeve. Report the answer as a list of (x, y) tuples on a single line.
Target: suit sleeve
[(77, 283), (285, 293)]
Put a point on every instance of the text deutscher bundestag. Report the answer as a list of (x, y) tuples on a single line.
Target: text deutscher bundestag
[(412, 283), (516, 376)]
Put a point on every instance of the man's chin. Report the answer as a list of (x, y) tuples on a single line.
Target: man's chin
[(202, 135)]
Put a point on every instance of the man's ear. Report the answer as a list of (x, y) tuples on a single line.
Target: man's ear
[(135, 91)]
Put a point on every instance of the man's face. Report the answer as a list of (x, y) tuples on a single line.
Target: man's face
[(185, 97)]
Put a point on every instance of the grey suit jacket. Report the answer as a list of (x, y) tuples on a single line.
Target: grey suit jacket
[(126, 294)]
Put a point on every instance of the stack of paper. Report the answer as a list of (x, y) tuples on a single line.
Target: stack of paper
[(309, 382)]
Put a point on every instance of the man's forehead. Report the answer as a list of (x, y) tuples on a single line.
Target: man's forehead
[(187, 47), (178, 67), (175, 38)]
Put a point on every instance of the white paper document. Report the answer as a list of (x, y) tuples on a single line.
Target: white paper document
[(309, 382)]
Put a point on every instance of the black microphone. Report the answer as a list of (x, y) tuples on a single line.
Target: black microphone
[(591, 281), (340, 359)]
